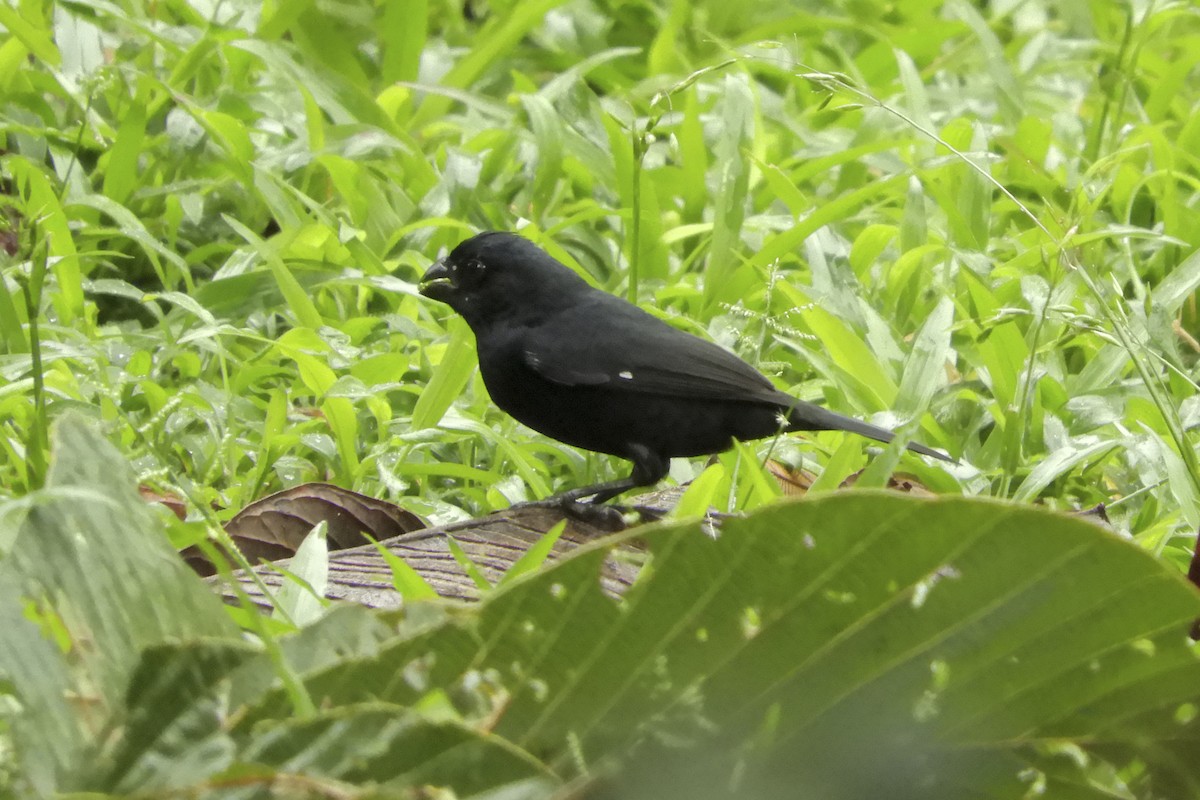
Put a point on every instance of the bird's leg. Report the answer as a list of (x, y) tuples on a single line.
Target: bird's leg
[(648, 468), (599, 492)]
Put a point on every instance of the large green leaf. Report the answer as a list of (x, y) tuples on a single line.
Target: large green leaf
[(94, 566), (858, 644), (382, 744), (44, 728), (862, 644), (176, 709), (956, 638)]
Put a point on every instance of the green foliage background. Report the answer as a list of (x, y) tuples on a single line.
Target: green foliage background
[(977, 222), (977, 218)]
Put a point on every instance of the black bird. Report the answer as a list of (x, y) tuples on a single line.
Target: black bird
[(594, 371)]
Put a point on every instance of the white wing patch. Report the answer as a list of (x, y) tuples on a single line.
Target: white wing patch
[(625, 374)]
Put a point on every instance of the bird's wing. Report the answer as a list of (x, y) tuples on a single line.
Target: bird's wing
[(620, 346)]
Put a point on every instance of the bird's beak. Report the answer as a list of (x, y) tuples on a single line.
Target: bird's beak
[(436, 284)]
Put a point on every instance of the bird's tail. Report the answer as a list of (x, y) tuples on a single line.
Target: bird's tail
[(808, 417)]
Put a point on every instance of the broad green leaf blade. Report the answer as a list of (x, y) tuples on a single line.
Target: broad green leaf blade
[(34, 34), (95, 552), (407, 581), (12, 332), (174, 735), (449, 377), (1179, 285), (122, 174), (393, 746), (548, 134), (846, 350), (427, 656), (1007, 89), (91, 555), (302, 599), (293, 292), (45, 731), (1057, 464), (535, 556), (701, 494), (473, 571), (726, 280), (502, 33), (403, 32), (756, 485), (852, 625), (925, 369), (42, 205)]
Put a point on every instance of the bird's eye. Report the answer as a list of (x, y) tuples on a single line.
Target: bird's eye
[(472, 272)]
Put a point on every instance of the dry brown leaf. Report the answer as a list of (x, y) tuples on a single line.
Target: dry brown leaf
[(274, 527), (172, 501), (898, 482), (793, 482)]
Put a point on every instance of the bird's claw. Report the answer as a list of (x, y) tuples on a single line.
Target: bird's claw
[(605, 516)]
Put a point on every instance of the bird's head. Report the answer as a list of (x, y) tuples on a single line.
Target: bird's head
[(498, 275)]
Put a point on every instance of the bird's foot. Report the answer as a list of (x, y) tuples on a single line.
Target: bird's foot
[(606, 517), (609, 517)]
